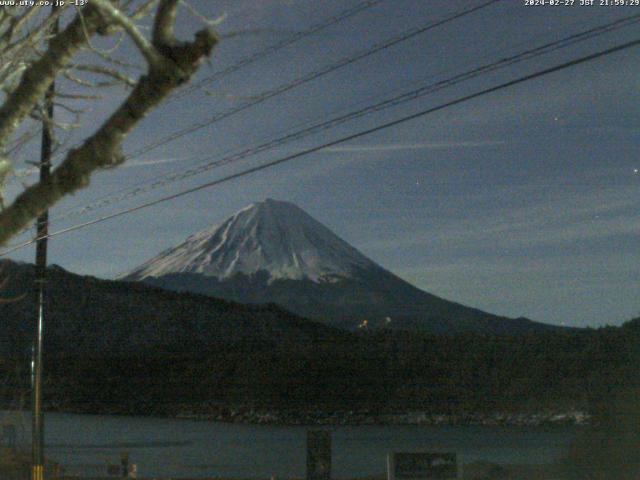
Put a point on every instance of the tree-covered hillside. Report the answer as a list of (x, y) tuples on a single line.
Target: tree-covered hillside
[(375, 373)]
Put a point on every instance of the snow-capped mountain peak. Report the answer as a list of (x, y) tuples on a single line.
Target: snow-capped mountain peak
[(311, 272), (273, 236)]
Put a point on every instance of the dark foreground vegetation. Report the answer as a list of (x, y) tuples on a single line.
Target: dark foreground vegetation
[(374, 372), (124, 348), (129, 348), (377, 372)]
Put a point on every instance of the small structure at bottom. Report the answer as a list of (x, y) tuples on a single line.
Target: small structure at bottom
[(318, 455), (124, 470), (423, 466)]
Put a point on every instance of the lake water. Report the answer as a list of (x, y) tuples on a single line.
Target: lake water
[(85, 444)]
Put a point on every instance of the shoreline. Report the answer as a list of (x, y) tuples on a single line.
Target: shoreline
[(570, 418), (254, 416)]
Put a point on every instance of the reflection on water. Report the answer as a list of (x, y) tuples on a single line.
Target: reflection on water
[(85, 444)]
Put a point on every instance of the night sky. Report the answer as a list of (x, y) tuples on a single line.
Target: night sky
[(523, 202)]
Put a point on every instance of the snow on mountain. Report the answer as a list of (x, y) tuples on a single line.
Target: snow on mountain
[(274, 252), (273, 236)]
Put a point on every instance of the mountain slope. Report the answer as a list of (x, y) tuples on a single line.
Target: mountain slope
[(273, 251)]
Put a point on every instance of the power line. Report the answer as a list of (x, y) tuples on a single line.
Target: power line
[(347, 138), (265, 52), (391, 102), (300, 81), (311, 76)]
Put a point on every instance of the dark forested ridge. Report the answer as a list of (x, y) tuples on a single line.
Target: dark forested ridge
[(382, 372), (89, 316), (189, 353)]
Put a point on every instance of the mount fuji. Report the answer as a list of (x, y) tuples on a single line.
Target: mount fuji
[(274, 252)]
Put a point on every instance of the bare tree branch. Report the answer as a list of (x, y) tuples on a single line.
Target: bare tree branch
[(113, 73), (132, 30), (37, 77), (171, 64)]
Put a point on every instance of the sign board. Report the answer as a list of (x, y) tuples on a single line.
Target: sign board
[(422, 466), (318, 455)]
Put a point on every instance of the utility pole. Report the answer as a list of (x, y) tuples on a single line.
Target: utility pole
[(37, 417)]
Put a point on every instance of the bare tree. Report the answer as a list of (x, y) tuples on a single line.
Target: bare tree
[(31, 58)]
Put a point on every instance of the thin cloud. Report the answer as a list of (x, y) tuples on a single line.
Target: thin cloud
[(155, 161), (411, 146), (594, 216)]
